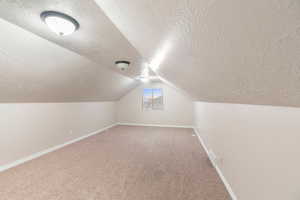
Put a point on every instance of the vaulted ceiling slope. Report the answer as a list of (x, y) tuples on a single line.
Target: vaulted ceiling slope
[(218, 51), (33, 69), (98, 39)]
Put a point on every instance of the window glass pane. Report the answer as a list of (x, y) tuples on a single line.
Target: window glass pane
[(157, 102), (147, 98), (153, 99)]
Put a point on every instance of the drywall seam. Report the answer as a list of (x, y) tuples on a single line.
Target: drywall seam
[(226, 183), (154, 125), (49, 150)]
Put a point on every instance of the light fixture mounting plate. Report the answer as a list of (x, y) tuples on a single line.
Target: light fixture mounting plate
[(50, 13), (122, 64)]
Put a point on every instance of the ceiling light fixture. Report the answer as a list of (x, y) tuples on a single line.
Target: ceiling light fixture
[(122, 64), (60, 23)]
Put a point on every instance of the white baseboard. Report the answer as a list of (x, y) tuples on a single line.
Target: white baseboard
[(226, 183), (41, 153), (155, 125)]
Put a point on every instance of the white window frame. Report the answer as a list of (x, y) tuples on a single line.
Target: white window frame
[(162, 94)]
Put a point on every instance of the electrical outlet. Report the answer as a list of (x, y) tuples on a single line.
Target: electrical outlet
[(70, 132)]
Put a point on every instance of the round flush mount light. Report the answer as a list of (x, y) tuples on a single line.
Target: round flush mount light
[(60, 23), (122, 64)]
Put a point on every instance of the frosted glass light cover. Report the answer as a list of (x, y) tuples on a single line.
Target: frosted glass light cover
[(60, 25)]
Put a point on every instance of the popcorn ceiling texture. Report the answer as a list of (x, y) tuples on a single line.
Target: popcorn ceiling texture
[(129, 163), (33, 69), (219, 51), (97, 39)]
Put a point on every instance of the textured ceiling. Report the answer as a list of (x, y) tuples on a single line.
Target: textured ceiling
[(33, 69), (219, 51), (97, 39)]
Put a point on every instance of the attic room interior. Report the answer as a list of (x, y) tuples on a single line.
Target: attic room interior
[(149, 100)]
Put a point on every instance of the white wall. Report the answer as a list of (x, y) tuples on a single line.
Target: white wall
[(28, 128), (178, 109), (258, 147)]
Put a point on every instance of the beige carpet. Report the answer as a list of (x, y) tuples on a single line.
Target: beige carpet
[(123, 163)]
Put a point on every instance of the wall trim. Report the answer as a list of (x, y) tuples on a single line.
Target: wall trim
[(51, 149), (221, 175), (154, 125)]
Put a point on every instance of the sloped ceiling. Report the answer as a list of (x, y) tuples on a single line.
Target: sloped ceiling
[(218, 51), (97, 39), (33, 69)]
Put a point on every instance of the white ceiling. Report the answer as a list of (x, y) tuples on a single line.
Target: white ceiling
[(219, 51), (97, 39), (33, 69)]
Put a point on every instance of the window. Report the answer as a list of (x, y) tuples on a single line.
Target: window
[(153, 99)]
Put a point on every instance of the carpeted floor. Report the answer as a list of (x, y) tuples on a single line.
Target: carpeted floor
[(123, 163)]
